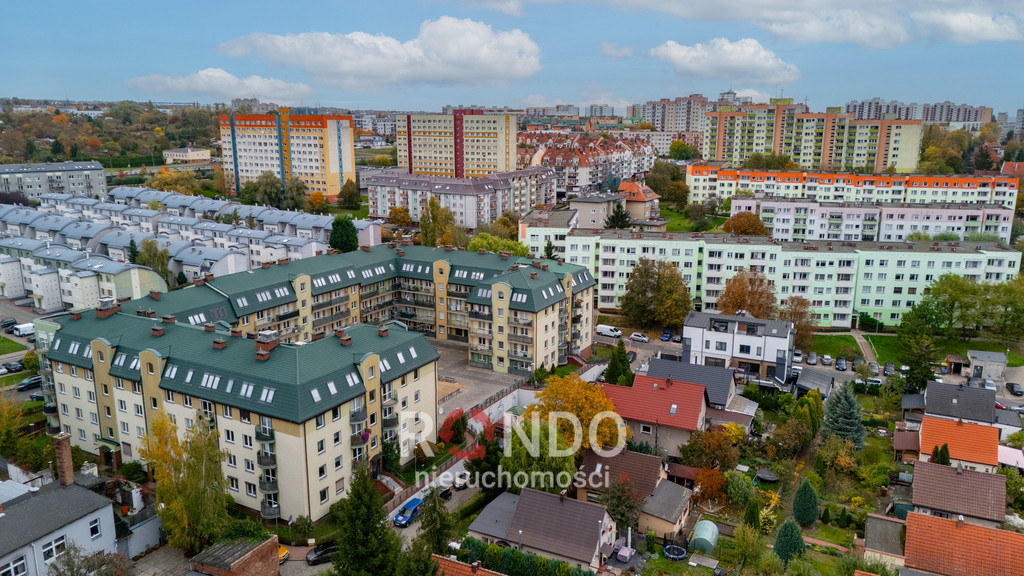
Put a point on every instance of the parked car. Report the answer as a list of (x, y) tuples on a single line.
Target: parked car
[(1018, 408), (1015, 388), (638, 337), (9, 330), (937, 378), (826, 360), (890, 369), (7, 323), (29, 383), (630, 356), (461, 480), (974, 382), (798, 356), (36, 396), (677, 338), (606, 330), (857, 362), (1000, 405), (873, 366), (666, 335), (321, 553), (282, 555), (841, 364), (445, 492), (874, 382), (812, 359), (989, 383), (408, 513), (13, 366), (31, 339)]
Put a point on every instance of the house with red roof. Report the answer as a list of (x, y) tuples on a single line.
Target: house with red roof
[(951, 547), (642, 203), (973, 446), (660, 411)]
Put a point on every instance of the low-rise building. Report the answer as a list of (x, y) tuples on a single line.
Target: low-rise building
[(975, 405), (661, 411), (972, 446), (641, 202), (34, 180), (983, 550), (953, 492), (763, 348), (186, 155), (592, 210)]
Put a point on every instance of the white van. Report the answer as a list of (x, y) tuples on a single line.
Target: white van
[(24, 329), (606, 330)]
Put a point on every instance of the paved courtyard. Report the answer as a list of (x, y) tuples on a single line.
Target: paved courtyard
[(479, 383)]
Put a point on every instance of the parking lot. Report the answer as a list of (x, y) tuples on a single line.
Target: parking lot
[(478, 383)]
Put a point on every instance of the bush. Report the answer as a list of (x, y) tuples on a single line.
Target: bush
[(302, 528), (844, 518), (133, 472), (789, 543), (815, 480), (825, 518), (805, 504), (739, 488)]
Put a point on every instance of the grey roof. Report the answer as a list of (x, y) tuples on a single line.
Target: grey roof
[(22, 243), (9, 490), (305, 220), (984, 356), (215, 226), (774, 328), (600, 198), (126, 192), (70, 165), (287, 240), (34, 515), (912, 402), (669, 501), (59, 252), (82, 201), (564, 527), (85, 229), (142, 212), (122, 238), (199, 255), (959, 491), (717, 381), (883, 534), (224, 554), (958, 401), (23, 216), (99, 263), (53, 223), (494, 520), (1007, 417), (110, 206)]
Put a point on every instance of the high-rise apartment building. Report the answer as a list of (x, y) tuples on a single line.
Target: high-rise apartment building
[(464, 144), (600, 110), (317, 149), (937, 113), (733, 133)]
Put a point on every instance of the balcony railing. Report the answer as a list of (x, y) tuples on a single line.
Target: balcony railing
[(480, 315), (388, 400), (459, 293), (458, 322), (266, 459), (481, 331), (358, 439), (46, 387), (287, 315), (264, 434), (359, 460), (458, 338), (52, 430), (522, 354), (521, 338), (518, 320), (49, 408), (477, 347), (480, 364), (520, 372), (390, 421), (268, 486), (270, 511), (358, 415)]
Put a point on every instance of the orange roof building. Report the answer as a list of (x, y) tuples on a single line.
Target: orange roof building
[(660, 411), (951, 548), (974, 446), (641, 202), (449, 567)]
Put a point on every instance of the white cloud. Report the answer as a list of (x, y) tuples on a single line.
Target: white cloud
[(512, 7), (874, 30), (966, 27), (744, 60), (615, 50), (447, 51), (221, 84), (758, 96)]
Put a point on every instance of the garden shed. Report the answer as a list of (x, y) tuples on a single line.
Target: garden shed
[(705, 537)]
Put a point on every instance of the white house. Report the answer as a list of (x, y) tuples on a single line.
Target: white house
[(760, 347)]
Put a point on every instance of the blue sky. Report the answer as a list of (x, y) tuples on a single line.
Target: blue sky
[(421, 55)]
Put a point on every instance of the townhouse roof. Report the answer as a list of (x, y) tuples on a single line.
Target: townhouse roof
[(718, 382), (142, 212), (968, 442), (175, 201), (52, 223), (532, 289), (598, 198), (21, 243), (1010, 456), (110, 207), (278, 239), (59, 252), (29, 517), (98, 263), (931, 542), (637, 192), (912, 402), (557, 525), (307, 221), (124, 193), (180, 220), (146, 196), (85, 229), (884, 534), (204, 205), (193, 304), (213, 226), (449, 567), (661, 401), (669, 501), (955, 490), (959, 401), (296, 382), (23, 216), (642, 470), (247, 233), (705, 320), (494, 520), (549, 218), (122, 238), (1007, 417), (985, 356), (202, 256)]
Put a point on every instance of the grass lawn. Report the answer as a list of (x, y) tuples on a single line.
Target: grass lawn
[(600, 353), (369, 154), (659, 565), (565, 370), (832, 534), (831, 344), (887, 348), (678, 222), (7, 346), (10, 379)]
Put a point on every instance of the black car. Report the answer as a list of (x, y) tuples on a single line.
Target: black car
[(1015, 388), (36, 396), (445, 493), (8, 323), (630, 356), (13, 366), (321, 553), (30, 383), (841, 364), (31, 339)]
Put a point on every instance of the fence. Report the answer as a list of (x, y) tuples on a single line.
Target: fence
[(400, 497)]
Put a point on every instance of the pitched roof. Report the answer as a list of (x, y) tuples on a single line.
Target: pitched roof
[(959, 401), (906, 440), (954, 548), (717, 381), (643, 470), (771, 328), (884, 534), (496, 517), (560, 526), (968, 442), (681, 471), (985, 356), (449, 567), (958, 491), (36, 514), (672, 403), (224, 554), (636, 192), (669, 501)]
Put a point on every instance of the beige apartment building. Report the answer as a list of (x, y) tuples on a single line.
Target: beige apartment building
[(463, 144)]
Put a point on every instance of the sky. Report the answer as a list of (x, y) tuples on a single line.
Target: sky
[(422, 55)]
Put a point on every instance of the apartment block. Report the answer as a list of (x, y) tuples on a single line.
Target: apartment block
[(662, 140), (294, 420), (763, 348), (585, 164), (709, 181), (473, 201), (793, 219), (317, 149), (33, 180), (833, 141), (733, 133), (681, 114), (514, 314), (465, 143)]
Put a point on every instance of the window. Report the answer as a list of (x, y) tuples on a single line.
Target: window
[(416, 396), (744, 349), (187, 400), (232, 461), (229, 436), (370, 372), (645, 429), (169, 396), (720, 346), (336, 413), (339, 486), (319, 421), (322, 471), (122, 406), (250, 466), (337, 438), (94, 529), (250, 489), (54, 548), (246, 440), (16, 567), (323, 496), (338, 461), (233, 483), (320, 447)]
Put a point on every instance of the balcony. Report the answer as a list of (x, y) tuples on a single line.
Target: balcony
[(264, 434), (388, 400), (418, 288), (480, 315), (364, 294), (358, 439), (520, 321), (358, 415), (270, 511), (359, 460), (390, 422), (266, 459), (481, 331), (52, 430), (480, 364), (577, 318), (524, 338), (459, 293), (458, 322), (287, 315), (49, 409), (46, 387), (521, 354), (268, 486), (458, 338), (520, 372), (407, 315)]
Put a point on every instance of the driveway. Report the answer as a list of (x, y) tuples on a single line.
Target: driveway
[(479, 383)]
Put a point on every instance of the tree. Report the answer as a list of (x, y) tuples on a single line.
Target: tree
[(390, 455), (219, 183), (437, 525), (710, 449), (155, 258), (265, 190), (940, 455), (182, 182), (434, 222), (190, 485), (672, 300), (770, 161), (317, 201), (542, 465), (805, 504), (710, 485), (842, 416), (745, 224), (983, 159), (417, 560), (676, 194), (549, 250), (618, 219), (370, 547), (702, 215), (583, 399), (618, 370), (1014, 487), (350, 198), (303, 528), (133, 251), (155, 205), (680, 150), (486, 462), (662, 174), (250, 222), (655, 295), (747, 541), (31, 360), (917, 351), (399, 216), (294, 197), (749, 291), (181, 279), (495, 244), (637, 303), (752, 515), (789, 543), (797, 310), (623, 503), (344, 237), (75, 561), (12, 418)]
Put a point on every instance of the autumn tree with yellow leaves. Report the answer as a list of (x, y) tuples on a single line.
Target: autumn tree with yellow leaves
[(585, 401)]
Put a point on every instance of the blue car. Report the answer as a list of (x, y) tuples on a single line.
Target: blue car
[(666, 335), (408, 513)]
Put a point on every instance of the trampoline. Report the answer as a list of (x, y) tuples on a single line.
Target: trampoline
[(674, 552)]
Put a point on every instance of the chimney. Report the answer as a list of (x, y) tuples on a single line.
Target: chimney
[(198, 281), (382, 331), (62, 454), (474, 567), (533, 275), (250, 335), (262, 355), (108, 312), (208, 277), (75, 315), (154, 294), (364, 248), (960, 521), (167, 319), (208, 327), (265, 265), (236, 333), (536, 264), (345, 339), (481, 251), (267, 340), (317, 336), (504, 255), (448, 248), (220, 343), (283, 261), (140, 312), (545, 268), (158, 330), (150, 313), (391, 244), (400, 252), (561, 496)]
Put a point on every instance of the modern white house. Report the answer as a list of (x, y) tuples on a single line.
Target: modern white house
[(762, 348)]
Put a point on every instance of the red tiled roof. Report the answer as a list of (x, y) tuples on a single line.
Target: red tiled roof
[(1015, 168), (650, 400), (636, 192), (906, 440), (680, 471), (953, 548), (450, 567), (968, 442)]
